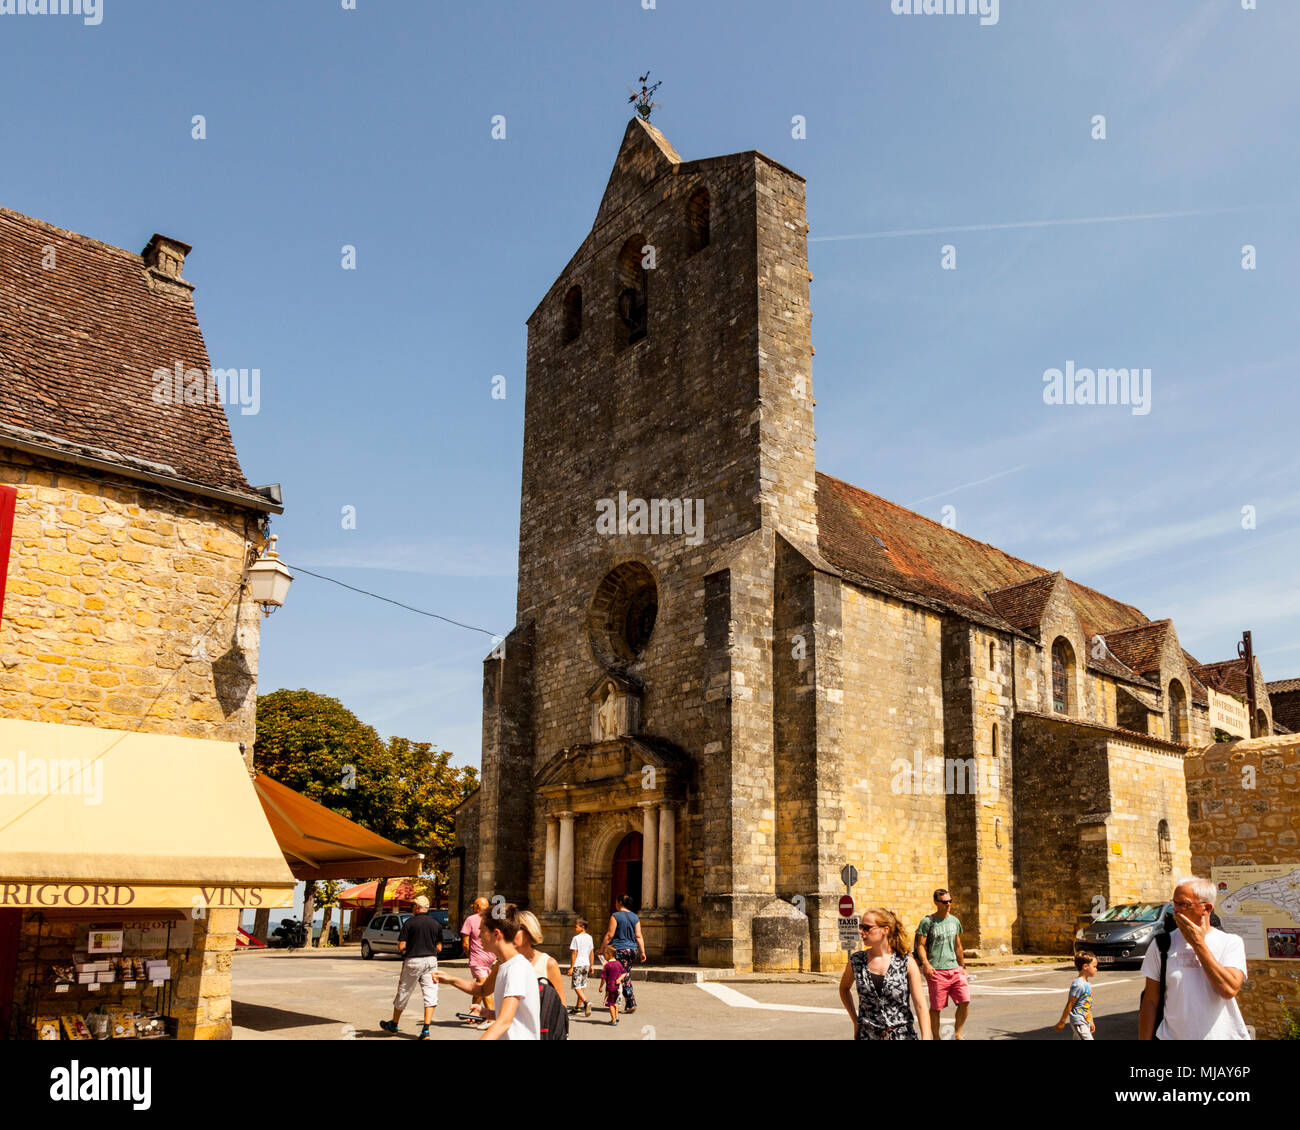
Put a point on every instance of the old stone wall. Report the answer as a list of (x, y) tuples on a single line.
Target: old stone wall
[(1088, 804), (124, 608), (892, 726), (1233, 824)]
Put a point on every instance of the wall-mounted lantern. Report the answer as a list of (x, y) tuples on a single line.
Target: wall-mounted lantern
[(269, 579)]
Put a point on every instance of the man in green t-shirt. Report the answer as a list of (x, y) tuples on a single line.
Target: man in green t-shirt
[(942, 960)]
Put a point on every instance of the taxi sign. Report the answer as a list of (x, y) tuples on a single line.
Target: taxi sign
[(849, 933)]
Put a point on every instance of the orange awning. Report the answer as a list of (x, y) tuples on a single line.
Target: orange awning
[(397, 892), (320, 844)]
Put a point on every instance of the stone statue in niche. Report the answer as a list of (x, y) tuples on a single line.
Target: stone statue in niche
[(614, 709), (607, 716)]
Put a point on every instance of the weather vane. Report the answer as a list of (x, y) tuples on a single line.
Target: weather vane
[(642, 100)]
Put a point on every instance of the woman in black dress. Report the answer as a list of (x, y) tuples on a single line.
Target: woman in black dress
[(886, 976)]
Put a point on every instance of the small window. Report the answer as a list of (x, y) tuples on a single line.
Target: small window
[(995, 739), (992, 656), (572, 314), (697, 221), (1062, 675), (632, 285)]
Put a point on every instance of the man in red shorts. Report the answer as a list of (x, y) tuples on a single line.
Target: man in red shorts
[(942, 960)]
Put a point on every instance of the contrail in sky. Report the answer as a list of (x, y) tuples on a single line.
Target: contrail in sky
[(1026, 224), (965, 486)]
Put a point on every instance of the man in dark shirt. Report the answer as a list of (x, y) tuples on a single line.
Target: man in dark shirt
[(419, 943)]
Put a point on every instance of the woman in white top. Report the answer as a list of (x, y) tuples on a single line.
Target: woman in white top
[(548, 969)]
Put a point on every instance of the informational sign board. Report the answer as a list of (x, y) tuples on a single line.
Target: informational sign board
[(1262, 904), (849, 933), (1228, 714)]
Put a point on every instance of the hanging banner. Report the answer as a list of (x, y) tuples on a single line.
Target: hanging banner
[(8, 500)]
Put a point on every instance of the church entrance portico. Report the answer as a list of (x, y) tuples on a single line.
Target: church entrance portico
[(611, 812)]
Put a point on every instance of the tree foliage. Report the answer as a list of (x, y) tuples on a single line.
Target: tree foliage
[(400, 789)]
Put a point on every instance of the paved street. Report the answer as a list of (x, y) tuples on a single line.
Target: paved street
[(336, 995)]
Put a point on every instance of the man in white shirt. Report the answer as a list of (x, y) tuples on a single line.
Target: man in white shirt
[(519, 1008), (1204, 972)]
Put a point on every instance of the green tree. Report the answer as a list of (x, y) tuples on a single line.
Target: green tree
[(400, 789)]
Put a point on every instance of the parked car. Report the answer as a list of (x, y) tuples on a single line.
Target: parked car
[(452, 942), (380, 934), (1122, 934)]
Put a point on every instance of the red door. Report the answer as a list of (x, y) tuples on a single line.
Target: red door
[(626, 877)]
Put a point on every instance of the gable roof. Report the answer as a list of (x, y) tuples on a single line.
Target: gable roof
[(1139, 647), (79, 344), (1227, 676), (1283, 686), (898, 550)]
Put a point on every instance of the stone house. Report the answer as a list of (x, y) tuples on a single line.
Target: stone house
[(731, 673), (125, 608)]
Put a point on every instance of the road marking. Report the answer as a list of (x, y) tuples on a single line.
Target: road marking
[(981, 980), (736, 999)]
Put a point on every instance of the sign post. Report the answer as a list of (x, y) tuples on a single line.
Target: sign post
[(849, 922), (8, 499)]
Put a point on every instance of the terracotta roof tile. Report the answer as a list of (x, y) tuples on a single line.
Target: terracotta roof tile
[(1139, 647), (886, 544), (79, 344), (1228, 676)]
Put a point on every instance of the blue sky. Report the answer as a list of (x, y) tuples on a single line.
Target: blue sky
[(328, 127)]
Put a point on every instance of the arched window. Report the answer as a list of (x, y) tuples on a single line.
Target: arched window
[(1261, 724), (572, 314), (697, 221), (992, 656), (1177, 712), (1062, 676), (995, 739), (1166, 846), (631, 284)]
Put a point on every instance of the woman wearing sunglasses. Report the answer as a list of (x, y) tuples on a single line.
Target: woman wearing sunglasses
[(886, 976)]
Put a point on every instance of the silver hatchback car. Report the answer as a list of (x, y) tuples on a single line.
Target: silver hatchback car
[(380, 934)]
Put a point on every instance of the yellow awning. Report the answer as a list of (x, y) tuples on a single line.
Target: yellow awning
[(321, 844), (109, 819)]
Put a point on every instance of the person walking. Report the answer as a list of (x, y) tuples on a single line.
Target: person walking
[(518, 1015), (1078, 1004), (1192, 981), (613, 973), (624, 934), (887, 977), (480, 961), (545, 966), (943, 961), (581, 946), (419, 943)]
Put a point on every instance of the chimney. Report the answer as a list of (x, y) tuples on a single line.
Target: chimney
[(164, 259)]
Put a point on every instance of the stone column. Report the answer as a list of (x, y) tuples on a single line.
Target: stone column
[(667, 856), (649, 854), (565, 885), (552, 864)]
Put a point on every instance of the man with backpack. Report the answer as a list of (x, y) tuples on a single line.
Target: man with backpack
[(1193, 973)]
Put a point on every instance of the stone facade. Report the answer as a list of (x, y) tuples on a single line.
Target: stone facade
[(722, 717), (113, 585), (1235, 825), (125, 607)]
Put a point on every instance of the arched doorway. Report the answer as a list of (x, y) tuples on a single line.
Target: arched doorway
[(625, 875)]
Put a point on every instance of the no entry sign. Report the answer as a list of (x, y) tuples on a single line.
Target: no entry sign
[(8, 498), (846, 906)]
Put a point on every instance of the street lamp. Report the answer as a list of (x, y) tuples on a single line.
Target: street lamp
[(269, 579)]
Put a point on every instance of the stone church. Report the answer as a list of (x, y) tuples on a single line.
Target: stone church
[(732, 674)]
